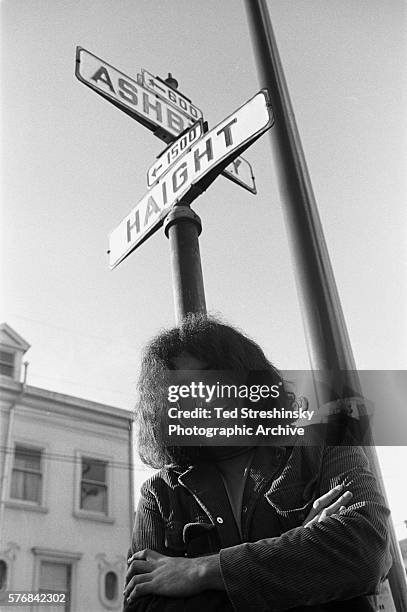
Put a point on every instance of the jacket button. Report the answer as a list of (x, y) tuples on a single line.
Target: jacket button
[(219, 519), (244, 509)]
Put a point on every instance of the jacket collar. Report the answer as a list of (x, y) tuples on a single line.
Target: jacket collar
[(206, 485)]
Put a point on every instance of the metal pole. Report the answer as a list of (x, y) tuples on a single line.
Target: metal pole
[(182, 228), (327, 339)]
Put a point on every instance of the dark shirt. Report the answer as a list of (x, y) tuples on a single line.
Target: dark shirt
[(275, 564)]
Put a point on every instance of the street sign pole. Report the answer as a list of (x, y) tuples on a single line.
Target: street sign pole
[(328, 342), (183, 228)]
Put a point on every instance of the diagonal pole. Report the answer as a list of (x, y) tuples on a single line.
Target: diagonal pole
[(327, 339)]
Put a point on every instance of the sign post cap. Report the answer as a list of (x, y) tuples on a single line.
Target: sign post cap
[(171, 81)]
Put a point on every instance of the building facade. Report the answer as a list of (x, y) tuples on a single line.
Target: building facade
[(66, 497)]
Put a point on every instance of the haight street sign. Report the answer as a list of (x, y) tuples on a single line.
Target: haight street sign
[(160, 116), (193, 172), (239, 171)]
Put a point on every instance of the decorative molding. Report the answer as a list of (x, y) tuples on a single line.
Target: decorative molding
[(11, 339), (93, 516), (57, 397), (8, 556), (118, 566), (43, 395), (30, 506), (63, 406), (10, 553), (65, 555)]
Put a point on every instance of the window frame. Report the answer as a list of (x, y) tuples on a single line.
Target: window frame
[(62, 557), (97, 483), (5, 363), (82, 513), (26, 504)]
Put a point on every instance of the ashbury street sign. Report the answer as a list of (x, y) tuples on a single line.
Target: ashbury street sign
[(192, 172), (240, 172), (157, 114)]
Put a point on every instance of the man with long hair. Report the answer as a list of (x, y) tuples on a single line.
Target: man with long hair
[(246, 527)]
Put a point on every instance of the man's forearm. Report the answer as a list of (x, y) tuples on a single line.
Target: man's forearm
[(208, 573)]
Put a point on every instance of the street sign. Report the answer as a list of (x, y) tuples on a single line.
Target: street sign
[(240, 171), (152, 103), (193, 172), (162, 89), (158, 115), (173, 152)]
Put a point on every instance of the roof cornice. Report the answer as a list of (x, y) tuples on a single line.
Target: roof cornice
[(45, 400)]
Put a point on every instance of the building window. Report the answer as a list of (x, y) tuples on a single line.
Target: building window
[(93, 497), (26, 478), (93, 487), (7, 363), (111, 586), (57, 571), (56, 577)]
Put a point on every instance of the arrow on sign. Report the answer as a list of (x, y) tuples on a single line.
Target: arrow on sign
[(192, 173), (173, 152), (155, 170)]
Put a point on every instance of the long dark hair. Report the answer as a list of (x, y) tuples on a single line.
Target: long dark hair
[(220, 347)]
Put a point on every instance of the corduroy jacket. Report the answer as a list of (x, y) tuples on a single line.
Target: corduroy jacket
[(277, 564)]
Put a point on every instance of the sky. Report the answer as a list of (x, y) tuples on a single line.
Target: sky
[(73, 165)]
